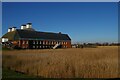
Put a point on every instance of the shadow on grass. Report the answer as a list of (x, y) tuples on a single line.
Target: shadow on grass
[(13, 75), (9, 74)]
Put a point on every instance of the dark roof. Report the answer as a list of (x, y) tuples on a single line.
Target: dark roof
[(29, 34), (29, 23), (29, 29), (13, 27), (23, 25), (10, 35)]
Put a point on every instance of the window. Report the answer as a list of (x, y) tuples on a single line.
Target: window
[(23, 47), (64, 46), (49, 42), (26, 42), (64, 42), (43, 42), (46, 42), (37, 42), (37, 46), (19, 42), (23, 42), (60, 42), (33, 46), (26, 47), (52, 42), (33, 42), (40, 42)]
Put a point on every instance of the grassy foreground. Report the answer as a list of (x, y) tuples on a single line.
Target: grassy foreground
[(101, 62), (6, 73)]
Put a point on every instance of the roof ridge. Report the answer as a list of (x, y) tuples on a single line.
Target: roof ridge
[(36, 35), (42, 31)]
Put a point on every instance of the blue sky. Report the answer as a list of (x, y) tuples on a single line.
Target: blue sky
[(82, 21)]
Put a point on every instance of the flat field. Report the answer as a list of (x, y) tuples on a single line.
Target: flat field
[(100, 62)]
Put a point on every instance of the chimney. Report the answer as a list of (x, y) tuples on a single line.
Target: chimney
[(60, 33), (23, 26), (29, 25), (13, 28), (9, 29)]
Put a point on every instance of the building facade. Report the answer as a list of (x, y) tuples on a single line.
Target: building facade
[(28, 38)]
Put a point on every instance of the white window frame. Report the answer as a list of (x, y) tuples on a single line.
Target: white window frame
[(36, 42), (23, 42), (37, 46), (51, 42), (34, 47), (40, 42), (43, 42), (26, 42), (4, 39), (33, 42)]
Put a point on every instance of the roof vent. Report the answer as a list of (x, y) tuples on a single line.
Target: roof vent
[(29, 25), (13, 28), (9, 29), (60, 33), (23, 26)]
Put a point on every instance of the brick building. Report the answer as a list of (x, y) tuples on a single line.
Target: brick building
[(28, 38)]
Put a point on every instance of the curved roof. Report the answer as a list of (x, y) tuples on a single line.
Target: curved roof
[(31, 34)]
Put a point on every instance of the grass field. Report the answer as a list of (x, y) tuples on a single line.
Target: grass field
[(101, 62), (12, 74)]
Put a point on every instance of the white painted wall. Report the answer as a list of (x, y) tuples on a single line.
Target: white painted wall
[(4, 39), (23, 27), (28, 26), (13, 29), (9, 30)]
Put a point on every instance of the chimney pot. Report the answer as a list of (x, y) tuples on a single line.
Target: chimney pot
[(29, 25), (13, 28), (23, 26), (9, 29), (60, 33)]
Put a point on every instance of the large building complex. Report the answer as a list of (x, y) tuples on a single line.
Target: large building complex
[(28, 38)]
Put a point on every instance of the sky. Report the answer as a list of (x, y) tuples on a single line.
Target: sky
[(82, 21), (60, 0)]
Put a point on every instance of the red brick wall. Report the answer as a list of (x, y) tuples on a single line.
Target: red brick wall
[(65, 44), (69, 44), (23, 43)]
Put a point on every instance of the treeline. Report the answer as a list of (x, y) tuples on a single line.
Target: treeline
[(94, 45)]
